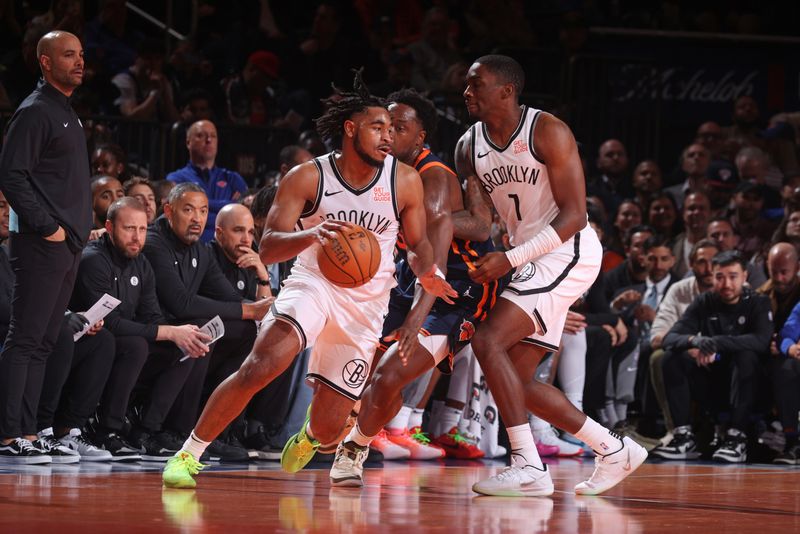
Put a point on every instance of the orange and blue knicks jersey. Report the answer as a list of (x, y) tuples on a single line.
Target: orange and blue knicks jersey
[(474, 300)]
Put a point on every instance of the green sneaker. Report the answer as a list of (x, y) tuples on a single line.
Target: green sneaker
[(180, 470), (298, 451)]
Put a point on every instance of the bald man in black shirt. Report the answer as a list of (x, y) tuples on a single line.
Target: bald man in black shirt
[(44, 173)]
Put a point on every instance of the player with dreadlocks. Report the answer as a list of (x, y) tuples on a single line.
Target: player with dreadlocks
[(361, 183)]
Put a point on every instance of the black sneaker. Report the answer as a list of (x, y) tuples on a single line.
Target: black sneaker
[(160, 447), (681, 447), (260, 444), (219, 451), (121, 450), (733, 448), (57, 451), (22, 451), (790, 456)]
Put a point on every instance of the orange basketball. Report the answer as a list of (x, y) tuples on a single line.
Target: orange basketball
[(352, 259)]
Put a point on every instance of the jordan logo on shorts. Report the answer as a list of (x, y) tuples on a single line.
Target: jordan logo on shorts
[(355, 373)]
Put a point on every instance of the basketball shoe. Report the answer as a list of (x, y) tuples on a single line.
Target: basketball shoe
[(733, 449), (611, 469), (457, 445), (515, 481), (790, 455), (550, 438), (682, 446), (348, 466), (389, 449), (299, 450), (180, 471), (60, 454), (89, 453), (416, 442)]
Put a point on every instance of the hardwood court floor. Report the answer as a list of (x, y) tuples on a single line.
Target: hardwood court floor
[(401, 497)]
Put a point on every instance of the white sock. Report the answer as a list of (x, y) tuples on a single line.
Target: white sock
[(449, 418), (416, 418), (358, 437), (400, 421), (598, 437), (195, 446), (523, 449)]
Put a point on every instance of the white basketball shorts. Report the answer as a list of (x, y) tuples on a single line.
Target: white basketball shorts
[(549, 285), (343, 333)]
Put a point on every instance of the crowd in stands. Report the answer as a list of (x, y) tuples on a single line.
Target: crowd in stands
[(689, 340)]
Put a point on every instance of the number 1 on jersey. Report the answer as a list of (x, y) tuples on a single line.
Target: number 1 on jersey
[(515, 198)]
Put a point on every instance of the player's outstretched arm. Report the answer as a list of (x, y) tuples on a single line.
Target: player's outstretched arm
[(280, 242), (436, 201), (414, 221), (474, 223)]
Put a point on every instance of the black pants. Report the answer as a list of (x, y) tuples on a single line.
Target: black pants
[(129, 359), (786, 384), (598, 356), (730, 382), (169, 389), (74, 379), (229, 353), (45, 274)]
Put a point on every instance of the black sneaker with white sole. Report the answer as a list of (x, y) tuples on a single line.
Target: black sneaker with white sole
[(120, 449), (58, 452), (160, 447), (219, 451), (682, 446), (21, 451), (733, 449), (790, 456)]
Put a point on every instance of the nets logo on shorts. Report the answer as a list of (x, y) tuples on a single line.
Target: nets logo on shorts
[(355, 373), (525, 273)]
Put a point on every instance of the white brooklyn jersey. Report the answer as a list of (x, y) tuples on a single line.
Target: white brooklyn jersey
[(515, 178), (374, 207)]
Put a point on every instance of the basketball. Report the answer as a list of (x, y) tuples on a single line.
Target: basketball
[(352, 259)]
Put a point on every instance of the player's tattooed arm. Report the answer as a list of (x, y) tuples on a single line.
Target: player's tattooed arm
[(296, 192), (474, 222)]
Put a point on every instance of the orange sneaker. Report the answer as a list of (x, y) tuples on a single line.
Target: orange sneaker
[(389, 449), (457, 445), (416, 442)]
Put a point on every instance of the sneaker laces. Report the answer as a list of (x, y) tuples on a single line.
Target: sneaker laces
[(49, 443), (81, 439), (509, 472), (25, 445), (192, 465), (420, 436), (457, 437)]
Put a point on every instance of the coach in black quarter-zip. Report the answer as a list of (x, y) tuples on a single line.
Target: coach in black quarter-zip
[(44, 173)]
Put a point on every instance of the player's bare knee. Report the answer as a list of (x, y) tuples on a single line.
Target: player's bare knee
[(481, 343)]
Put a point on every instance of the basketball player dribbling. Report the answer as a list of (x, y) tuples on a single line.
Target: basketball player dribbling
[(427, 332), (362, 184), (527, 162)]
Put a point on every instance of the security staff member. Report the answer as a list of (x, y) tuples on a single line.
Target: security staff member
[(113, 264), (191, 287), (716, 345), (44, 173)]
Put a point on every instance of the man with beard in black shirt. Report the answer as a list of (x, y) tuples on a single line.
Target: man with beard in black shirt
[(114, 264), (719, 365)]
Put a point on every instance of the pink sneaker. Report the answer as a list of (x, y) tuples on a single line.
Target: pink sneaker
[(389, 450), (546, 450)]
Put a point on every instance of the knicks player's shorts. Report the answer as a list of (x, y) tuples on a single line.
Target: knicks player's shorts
[(343, 332), (446, 325), (548, 286)]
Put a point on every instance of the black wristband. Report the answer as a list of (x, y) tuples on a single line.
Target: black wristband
[(263, 282)]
